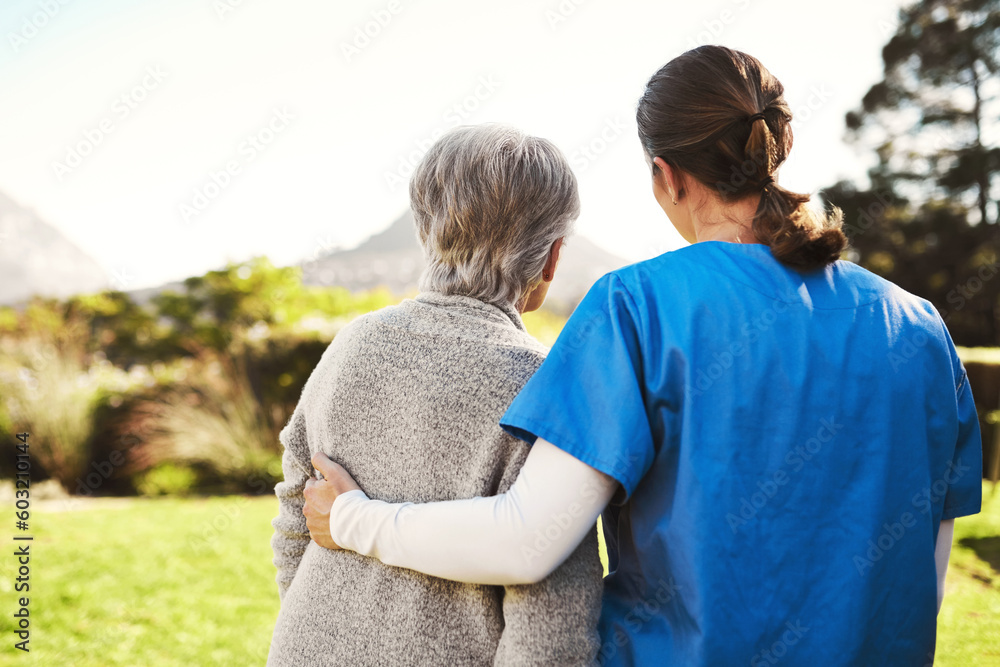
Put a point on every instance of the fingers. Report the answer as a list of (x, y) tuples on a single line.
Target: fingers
[(319, 459), (334, 473), (323, 463)]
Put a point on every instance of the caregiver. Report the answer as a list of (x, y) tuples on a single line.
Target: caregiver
[(779, 440)]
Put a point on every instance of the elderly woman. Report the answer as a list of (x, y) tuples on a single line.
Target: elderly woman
[(780, 441), (409, 400)]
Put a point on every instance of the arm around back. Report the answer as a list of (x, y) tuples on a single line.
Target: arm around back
[(519, 537)]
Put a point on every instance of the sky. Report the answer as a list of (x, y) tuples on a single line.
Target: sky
[(169, 138)]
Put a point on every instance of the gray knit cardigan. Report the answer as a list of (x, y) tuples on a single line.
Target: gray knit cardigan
[(408, 399)]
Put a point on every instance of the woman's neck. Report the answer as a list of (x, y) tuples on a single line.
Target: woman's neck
[(732, 222)]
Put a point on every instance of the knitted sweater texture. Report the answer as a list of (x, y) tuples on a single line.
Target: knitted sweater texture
[(408, 400)]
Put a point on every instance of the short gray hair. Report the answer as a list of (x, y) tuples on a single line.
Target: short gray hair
[(489, 201)]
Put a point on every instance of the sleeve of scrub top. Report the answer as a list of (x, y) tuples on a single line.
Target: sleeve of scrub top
[(964, 477), (587, 398)]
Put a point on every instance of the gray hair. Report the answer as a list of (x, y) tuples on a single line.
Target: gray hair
[(489, 201)]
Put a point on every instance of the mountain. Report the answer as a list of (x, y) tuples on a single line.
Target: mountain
[(35, 258), (393, 258)]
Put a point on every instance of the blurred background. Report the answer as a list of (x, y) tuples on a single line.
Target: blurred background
[(195, 196)]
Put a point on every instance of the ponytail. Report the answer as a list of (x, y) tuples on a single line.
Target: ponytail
[(720, 116), (797, 236)]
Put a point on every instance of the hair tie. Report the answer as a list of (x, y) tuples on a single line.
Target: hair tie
[(756, 116), (766, 182)]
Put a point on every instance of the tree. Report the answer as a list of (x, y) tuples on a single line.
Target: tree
[(929, 219), (220, 305)]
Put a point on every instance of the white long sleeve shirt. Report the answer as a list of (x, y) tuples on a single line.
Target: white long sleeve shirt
[(517, 537)]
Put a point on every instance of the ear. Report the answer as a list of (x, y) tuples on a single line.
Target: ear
[(549, 270), (669, 179)]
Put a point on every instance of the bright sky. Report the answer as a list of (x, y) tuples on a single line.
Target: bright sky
[(121, 111)]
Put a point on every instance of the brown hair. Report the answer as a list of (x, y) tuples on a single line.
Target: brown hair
[(719, 116)]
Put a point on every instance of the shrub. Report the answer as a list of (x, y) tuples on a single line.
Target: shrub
[(48, 392), (983, 366), (166, 479), (212, 419)]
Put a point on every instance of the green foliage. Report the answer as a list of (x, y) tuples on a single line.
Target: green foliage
[(930, 250), (48, 392), (214, 419), (220, 305), (193, 387), (223, 311), (969, 621), (940, 67), (928, 221), (8, 320), (166, 479), (122, 330)]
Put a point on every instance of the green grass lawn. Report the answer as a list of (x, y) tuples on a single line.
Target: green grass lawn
[(190, 582)]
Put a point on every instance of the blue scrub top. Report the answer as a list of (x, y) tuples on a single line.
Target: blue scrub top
[(787, 445)]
